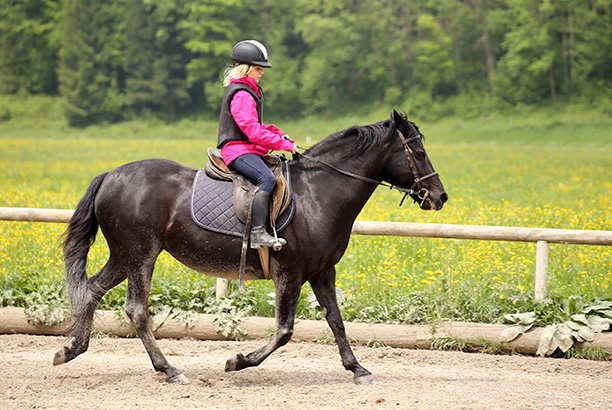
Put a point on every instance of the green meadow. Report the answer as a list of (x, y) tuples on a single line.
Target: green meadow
[(538, 168)]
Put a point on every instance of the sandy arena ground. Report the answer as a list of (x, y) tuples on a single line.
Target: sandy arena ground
[(117, 374)]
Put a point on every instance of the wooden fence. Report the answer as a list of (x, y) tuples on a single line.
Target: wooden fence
[(541, 236)]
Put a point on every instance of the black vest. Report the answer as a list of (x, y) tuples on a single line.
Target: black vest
[(228, 129)]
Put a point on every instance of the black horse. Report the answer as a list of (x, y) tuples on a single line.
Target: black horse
[(143, 208)]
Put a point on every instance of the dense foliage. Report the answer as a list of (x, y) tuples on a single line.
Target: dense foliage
[(114, 59)]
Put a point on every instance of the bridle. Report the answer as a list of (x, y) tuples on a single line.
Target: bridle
[(420, 192)]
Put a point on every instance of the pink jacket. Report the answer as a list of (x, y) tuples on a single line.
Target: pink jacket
[(262, 137)]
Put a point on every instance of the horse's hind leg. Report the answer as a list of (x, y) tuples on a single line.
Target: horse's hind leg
[(324, 288), (107, 278), (139, 285)]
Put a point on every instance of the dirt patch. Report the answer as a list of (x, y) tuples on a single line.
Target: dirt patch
[(117, 374)]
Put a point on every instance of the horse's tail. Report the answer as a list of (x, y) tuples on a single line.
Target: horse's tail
[(78, 238)]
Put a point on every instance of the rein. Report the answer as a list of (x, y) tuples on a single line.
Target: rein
[(421, 193)]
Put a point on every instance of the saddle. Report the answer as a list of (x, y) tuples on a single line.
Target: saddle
[(243, 192), (244, 188)]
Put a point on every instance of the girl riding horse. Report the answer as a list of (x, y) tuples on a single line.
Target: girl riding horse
[(244, 138)]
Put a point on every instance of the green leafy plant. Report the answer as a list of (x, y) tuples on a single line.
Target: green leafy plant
[(581, 327), (159, 314), (326, 338), (8, 298), (597, 353), (375, 343), (47, 306), (488, 347), (454, 344), (229, 320), (478, 345), (186, 318), (522, 323)]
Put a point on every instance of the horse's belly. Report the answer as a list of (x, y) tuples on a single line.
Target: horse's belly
[(222, 270), (249, 275)]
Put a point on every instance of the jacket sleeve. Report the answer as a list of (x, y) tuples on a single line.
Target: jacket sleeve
[(244, 111)]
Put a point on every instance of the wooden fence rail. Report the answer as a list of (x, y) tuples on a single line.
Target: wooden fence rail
[(35, 215), (541, 236)]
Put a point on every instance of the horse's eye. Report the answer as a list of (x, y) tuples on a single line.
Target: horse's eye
[(420, 154)]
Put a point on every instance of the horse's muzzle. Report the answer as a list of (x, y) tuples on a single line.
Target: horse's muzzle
[(432, 202)]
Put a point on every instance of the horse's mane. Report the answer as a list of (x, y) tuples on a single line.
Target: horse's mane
[(364, 137)]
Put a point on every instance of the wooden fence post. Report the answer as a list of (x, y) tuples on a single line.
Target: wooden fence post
[(541, 274), (221, 288)]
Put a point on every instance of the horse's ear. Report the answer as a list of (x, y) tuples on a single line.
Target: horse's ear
[(396, 117)]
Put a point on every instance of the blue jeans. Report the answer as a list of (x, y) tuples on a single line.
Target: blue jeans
[(253, 166)]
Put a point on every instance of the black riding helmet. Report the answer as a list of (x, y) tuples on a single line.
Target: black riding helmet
[(250, 52)]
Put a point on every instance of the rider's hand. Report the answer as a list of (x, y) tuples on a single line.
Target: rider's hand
[(295, 149)]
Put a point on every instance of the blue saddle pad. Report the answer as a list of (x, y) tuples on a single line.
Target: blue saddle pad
[(212, 206)]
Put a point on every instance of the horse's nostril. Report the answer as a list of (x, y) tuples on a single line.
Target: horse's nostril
[(444, 197)]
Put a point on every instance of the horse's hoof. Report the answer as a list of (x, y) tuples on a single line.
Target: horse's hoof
[(60, 356), (365, 380), (234, 363), (178, 378)]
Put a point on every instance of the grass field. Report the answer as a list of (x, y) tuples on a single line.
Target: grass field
[(546, 168)]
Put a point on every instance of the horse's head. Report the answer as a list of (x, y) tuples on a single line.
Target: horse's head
[(408, 166)]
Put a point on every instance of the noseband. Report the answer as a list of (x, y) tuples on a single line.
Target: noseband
[(421, 193)]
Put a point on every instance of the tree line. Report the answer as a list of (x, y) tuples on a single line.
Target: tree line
[(109, 60)]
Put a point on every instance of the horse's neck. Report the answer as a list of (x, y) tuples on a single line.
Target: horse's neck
[(336, 193)]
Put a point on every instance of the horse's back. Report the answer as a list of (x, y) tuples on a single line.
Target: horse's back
[(144, 192), (155, 168)]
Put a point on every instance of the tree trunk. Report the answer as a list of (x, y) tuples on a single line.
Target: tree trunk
[(486, 45), (566, 75), (407, 48), (572, 43), (553, 91)]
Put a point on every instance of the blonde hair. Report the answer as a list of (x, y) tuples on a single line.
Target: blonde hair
[(235, 72)]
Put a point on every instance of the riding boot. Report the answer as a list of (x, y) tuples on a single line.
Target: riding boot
[(260, 238)]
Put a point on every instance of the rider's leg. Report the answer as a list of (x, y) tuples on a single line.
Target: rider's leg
[(254, 168), (260, 238)]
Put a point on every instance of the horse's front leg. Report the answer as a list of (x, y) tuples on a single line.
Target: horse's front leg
[(287, 295), (324, 287)]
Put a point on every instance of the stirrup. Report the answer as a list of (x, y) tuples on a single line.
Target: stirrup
[(262, 239), (278, 242)]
